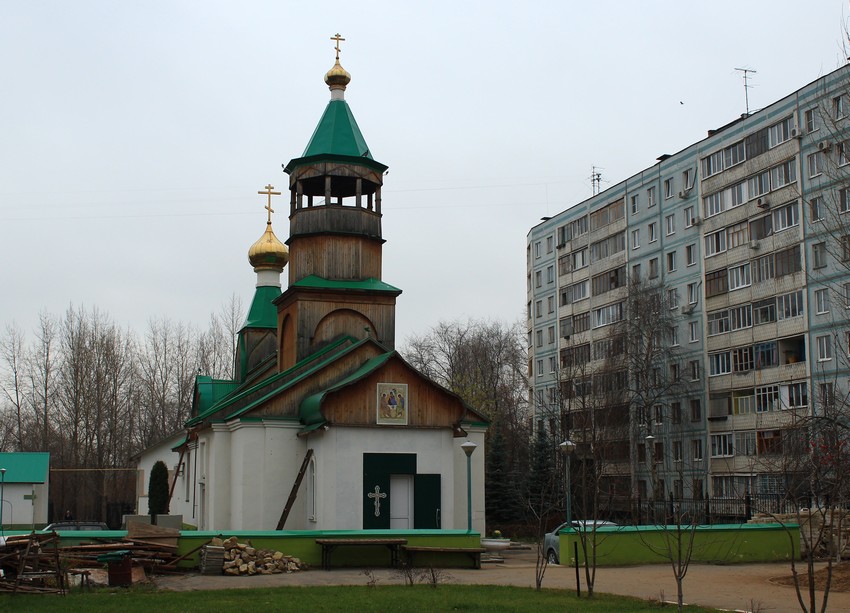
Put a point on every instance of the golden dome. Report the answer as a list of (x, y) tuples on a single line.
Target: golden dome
[(337, 76), (268, 253)]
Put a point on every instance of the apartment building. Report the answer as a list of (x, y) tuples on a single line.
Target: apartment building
[(743, 239)]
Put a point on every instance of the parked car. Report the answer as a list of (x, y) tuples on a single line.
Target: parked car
[(62, 526), (552, 543)]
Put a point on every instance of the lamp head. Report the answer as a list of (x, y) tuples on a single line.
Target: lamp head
[(567, 447), (468, 447)]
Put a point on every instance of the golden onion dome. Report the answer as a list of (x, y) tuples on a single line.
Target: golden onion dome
[(268, 253), (337, 76)]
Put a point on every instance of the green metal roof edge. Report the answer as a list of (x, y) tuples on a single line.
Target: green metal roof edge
[(255, 386), (337, 133), (25, 466), (312, 427), (211, 398), (182, 442), (310, 408), (263, 312), (269, 418), (370, 284)]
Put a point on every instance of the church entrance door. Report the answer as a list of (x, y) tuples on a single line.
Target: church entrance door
[(401, 502)]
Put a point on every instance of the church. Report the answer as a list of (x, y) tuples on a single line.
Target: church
[(325, 426)]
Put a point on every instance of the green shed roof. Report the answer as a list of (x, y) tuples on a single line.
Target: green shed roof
[(25, 467), (370, 284), (263, 312)]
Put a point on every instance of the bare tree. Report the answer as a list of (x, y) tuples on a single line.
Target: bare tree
[(13, 354)]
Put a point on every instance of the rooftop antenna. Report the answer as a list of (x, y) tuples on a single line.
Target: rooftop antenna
[(747, 86), (595, 179)]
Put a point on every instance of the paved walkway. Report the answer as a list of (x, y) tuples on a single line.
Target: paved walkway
[(733, 587)]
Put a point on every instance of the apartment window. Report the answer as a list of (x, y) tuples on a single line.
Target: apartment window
[(722, 445), (798, 395), (674, 341), (608, 246), (671, 261), (822, 301), (539, 368), (718, 322), (538, 278), (690, 254), (650, 197), (696, 411), (581, 322), (809, 118), (693, 366), (574, 293), (609, 314), (550, 304), (843, 200), (814, 162), (538, 308), (689, 216), (537, 249), (818, 255), (653, 268), (847, 295), (842, 154), (759, 184), (739, 276), (677, 457), (668, 188), (786, 217), (764, 311), (719, 364), (767, 398), (845, 248), (766, 355), (658, 411), (552, 364), (743, 359), (789, 305), (635, 204), (714, 204), (739, 234), (696, 449), (716, 283), (673, 297), (550, 274), (578, 259), (826, 396), (816, 208), (550, 244), (551, 334), (693, 331), (788, 261), (763, 268), (838, 107), (715, 243), (712, 164), (688, 179), (635, 239), (779, 132), (652, 234), (607, 214), (824, 344), (563, 265), (608, 281), (741, 317), (693, 296), (636, 271), (670, 222)]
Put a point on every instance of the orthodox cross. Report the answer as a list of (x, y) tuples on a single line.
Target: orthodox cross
[(337, 38), (269, 192), (376, 496)]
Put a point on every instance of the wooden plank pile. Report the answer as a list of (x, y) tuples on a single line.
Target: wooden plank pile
[(29, 564), (212, 560)]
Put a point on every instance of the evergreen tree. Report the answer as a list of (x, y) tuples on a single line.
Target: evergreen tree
[(158, 490), (499, 484), (543, 487)]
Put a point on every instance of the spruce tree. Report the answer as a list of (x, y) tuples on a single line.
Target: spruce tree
[(158, 490)]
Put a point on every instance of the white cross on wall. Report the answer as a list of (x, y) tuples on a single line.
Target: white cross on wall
[(377, 495)]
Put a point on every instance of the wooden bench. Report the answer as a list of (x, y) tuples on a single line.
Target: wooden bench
[(328, 545), (473, 552)]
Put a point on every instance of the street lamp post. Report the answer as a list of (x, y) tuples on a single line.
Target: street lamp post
[(468, 447), (650, 444), (2, 492), (567, 448)]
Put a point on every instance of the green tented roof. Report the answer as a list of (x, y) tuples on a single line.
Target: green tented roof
[(211, 392), (311, 406), (25, 467), (370, 284), (263, 312), (337, 134)]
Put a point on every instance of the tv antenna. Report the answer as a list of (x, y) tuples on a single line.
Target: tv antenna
[(595, 179), (747, 86)]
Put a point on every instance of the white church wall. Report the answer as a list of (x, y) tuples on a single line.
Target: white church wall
[(283, 454), (215, 481), (339, 485)]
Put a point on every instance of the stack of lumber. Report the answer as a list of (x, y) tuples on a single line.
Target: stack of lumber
[(29, 563)]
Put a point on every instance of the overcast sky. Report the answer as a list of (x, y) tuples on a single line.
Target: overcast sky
[(135, 135)]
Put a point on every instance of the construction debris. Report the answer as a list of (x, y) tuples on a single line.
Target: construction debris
[(242, 559)]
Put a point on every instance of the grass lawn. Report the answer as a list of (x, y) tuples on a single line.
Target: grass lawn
[(337, 598)]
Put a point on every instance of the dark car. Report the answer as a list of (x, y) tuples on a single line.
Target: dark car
[(62, 526), (552, 544)]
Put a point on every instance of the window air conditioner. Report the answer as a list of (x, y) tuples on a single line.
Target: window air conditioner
[(762, 203), (696, 221), (824, 145), (754, 245)]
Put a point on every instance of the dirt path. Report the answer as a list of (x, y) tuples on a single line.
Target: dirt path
[(734, 587)]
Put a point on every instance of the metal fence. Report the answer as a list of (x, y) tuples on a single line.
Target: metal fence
[(714, 510)]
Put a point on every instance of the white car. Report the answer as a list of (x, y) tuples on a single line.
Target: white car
[(552, 542)]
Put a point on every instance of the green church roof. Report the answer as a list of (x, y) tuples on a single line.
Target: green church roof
[(337, 134), (25, 467), (263, 312), (370, 284)]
